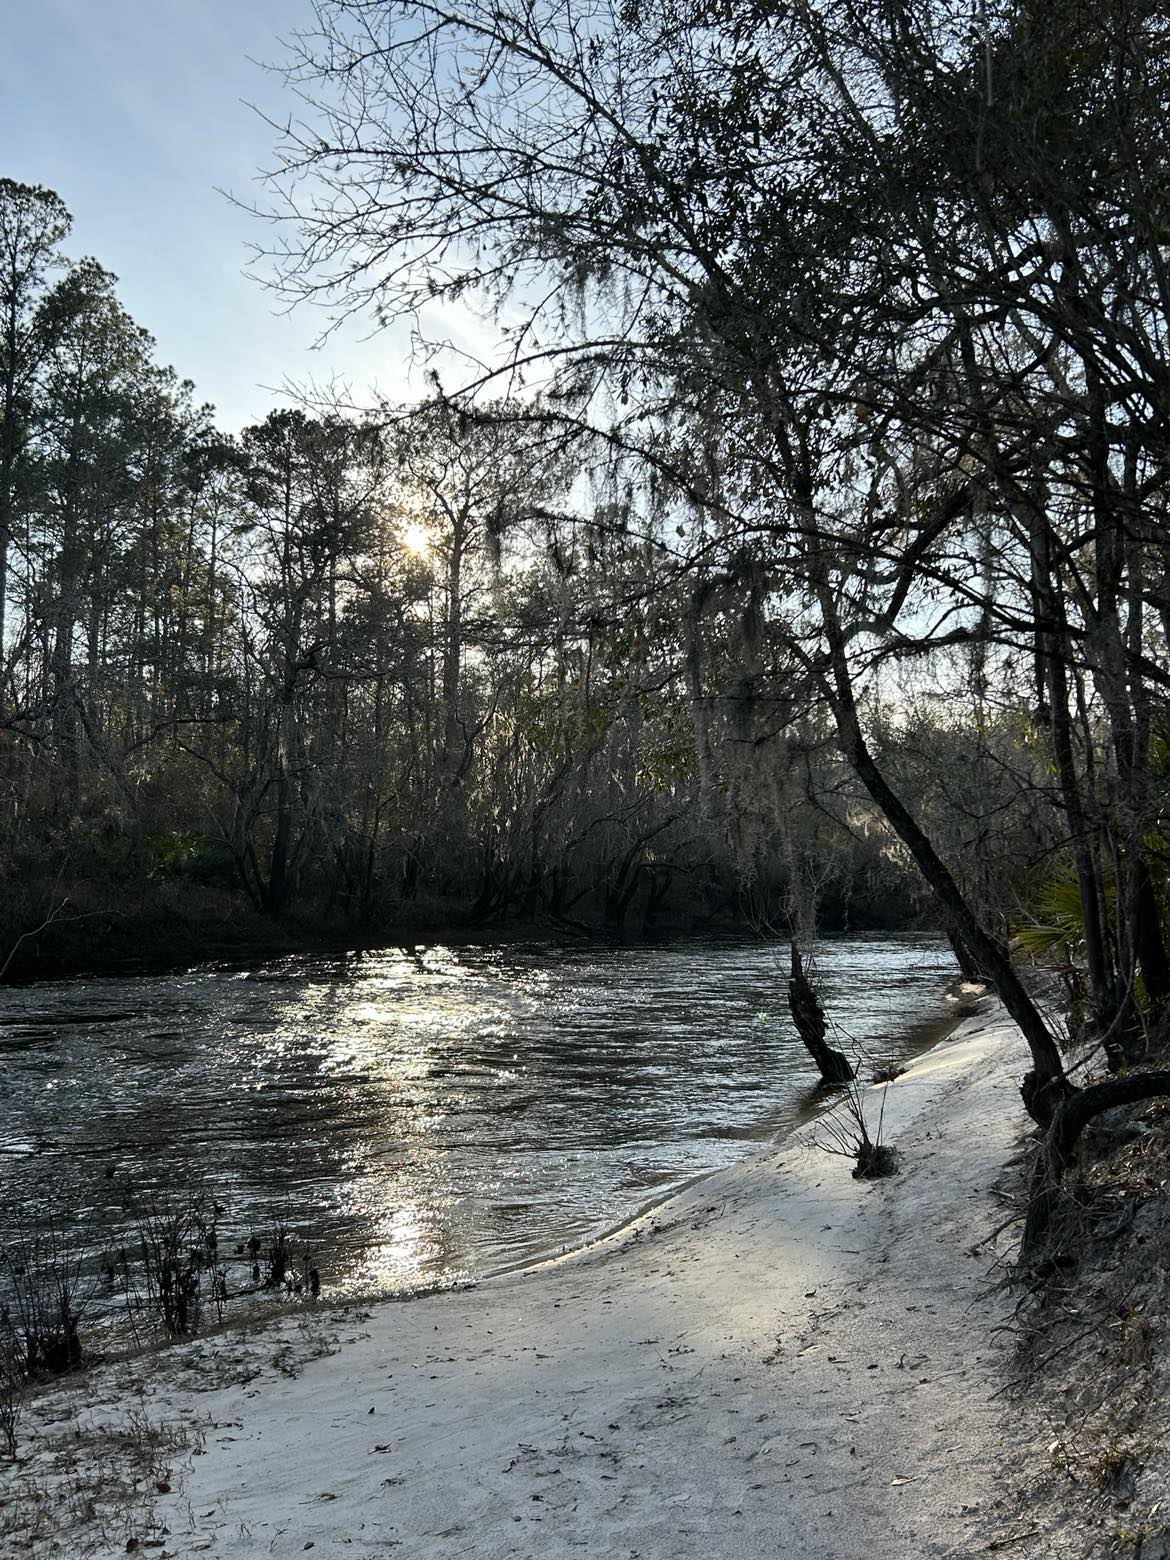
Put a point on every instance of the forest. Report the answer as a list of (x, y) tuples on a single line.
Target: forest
[(424, 666)]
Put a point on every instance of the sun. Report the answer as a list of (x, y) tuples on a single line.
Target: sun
[(416, 540)]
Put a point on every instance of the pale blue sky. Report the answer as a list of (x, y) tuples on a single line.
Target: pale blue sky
[(134, 111)]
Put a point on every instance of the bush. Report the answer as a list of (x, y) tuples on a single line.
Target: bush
[(177, 1246)]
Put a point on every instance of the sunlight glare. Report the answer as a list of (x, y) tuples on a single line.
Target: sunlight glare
[(416, 540)]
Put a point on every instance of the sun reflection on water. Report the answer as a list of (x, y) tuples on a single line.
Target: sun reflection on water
[(432, 1112)]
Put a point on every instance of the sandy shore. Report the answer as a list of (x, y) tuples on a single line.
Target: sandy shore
[(779, 1361)]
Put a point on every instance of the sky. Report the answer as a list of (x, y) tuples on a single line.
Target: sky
[(137, 113)]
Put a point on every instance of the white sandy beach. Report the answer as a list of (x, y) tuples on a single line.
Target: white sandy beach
[(778, 1361)]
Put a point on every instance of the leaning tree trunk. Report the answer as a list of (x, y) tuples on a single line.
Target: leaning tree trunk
[(809, 1017), (969, 966), (1046, 1085)]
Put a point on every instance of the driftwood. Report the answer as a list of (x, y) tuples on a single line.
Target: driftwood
[(809, 1017)]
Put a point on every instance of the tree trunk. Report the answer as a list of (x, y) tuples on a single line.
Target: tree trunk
[(809, 1017), (451, 760), (1046, 1085), (276, 894), (969, 966), (1051, 647)]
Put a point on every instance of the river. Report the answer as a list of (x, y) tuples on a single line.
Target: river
[(428, 1113)]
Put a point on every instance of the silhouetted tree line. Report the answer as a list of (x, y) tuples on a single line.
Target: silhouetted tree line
[(375, 672)]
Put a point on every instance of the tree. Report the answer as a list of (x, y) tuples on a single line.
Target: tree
[(310, 486), (33, 223), (89, 486), (464, 485)]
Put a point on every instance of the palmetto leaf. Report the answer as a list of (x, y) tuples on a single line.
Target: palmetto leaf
[(1057, 921)]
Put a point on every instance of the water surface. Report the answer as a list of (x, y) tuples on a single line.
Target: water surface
[(431, 1112)]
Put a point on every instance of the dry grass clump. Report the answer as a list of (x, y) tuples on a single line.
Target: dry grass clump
[(94, 1486), (854, 1134)]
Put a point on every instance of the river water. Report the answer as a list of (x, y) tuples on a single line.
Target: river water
[(428, 1113)]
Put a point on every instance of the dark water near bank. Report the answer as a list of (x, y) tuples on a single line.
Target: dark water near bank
[(433, 1112)]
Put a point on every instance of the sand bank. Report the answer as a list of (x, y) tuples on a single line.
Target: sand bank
[(779, 1361)]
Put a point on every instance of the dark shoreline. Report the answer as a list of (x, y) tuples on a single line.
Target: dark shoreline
[(91, 944)]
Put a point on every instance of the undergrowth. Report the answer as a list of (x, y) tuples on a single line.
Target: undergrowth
[(70, 1296), (1091, 1348)]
